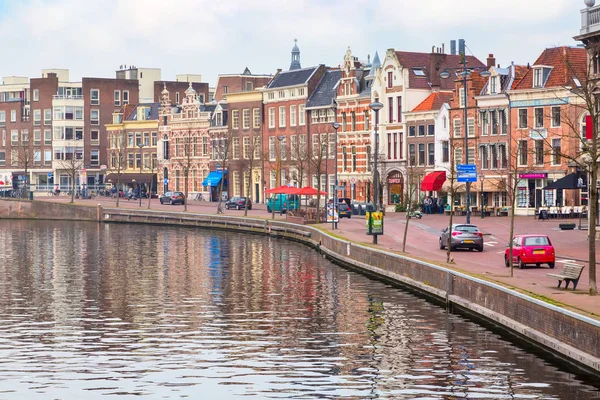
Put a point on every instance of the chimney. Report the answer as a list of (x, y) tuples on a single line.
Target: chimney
[(436, 61), (491, 61), (461, 46), (443, 46), (453, 47)]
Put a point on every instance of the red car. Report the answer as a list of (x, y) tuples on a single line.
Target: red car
[(531, 249)]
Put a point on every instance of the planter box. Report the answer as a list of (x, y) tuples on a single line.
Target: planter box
[(566, 227)]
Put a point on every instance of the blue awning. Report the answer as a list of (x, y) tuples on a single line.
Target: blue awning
[(213, 178)]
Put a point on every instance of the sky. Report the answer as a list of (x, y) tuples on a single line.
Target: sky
[(93, 38)]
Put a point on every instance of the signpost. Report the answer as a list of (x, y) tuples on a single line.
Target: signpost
[(466, 173)]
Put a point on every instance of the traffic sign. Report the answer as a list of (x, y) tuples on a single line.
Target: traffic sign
[(466, 168), (466, 173), (49, 174), (353, 180), (341, 187), (166, 181)]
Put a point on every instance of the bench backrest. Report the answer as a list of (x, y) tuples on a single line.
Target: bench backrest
[(572, 271)]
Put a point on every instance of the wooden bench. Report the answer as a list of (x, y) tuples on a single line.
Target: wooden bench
[(570, 273)]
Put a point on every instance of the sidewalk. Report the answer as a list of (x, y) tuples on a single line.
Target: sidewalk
[(422, 243)]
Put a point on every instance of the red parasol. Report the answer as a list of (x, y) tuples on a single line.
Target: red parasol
[(308, 191), (282, 190)]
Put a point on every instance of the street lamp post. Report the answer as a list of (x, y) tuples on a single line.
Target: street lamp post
[(376, 106), (464, 73), (141, 146), (280, 138), (336, 126)]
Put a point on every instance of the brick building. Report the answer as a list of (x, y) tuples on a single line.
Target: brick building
[(235, 83)]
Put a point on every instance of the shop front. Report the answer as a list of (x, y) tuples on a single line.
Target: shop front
[(534, 191), (395, 183)]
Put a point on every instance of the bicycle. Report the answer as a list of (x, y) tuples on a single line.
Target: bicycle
[(199, 197), (54, 193)]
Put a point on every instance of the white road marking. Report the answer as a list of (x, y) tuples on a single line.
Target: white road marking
[(490, 244)]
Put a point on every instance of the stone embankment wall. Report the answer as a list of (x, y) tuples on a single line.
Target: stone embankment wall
[(565, 333)]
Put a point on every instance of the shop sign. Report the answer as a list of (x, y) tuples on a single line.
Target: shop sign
[(539, 102), (394, 180), (533, 176)]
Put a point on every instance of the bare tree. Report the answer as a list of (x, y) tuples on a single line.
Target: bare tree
[(222, 152), (26, 157), (117, 156), (72, 163), (152, 167), (186, 147), (318, 157), (453, 189), (410, 194), (250, 159)]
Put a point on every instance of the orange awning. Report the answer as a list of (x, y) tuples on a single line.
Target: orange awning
[(433, 181)]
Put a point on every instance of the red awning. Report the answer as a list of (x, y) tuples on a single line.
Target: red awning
[(433, 181)]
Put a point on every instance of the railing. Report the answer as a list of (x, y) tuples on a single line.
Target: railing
[(66, 97), (590, 20)]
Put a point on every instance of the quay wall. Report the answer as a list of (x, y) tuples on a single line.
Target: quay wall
[(564, 333)]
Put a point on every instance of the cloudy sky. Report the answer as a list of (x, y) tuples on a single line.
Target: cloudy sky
[(210, 37)]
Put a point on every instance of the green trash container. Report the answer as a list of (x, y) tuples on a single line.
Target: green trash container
[(31, 195)]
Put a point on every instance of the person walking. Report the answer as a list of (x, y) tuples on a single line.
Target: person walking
[(427, 205), (441, 201)]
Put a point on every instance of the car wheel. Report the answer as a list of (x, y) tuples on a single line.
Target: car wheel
[(170, 202), (442, 247), (227, 206), (349, 216), (520, 263), (538, 265), (161, 202), (480, 249), (551, 265), (506, 262)]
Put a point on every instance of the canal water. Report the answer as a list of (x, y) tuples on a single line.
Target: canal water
[(94, 311)]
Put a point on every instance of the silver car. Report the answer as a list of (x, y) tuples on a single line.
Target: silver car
[(462, 236)]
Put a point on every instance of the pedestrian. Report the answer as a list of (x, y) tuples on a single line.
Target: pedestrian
[(427, 205), (441, 206)]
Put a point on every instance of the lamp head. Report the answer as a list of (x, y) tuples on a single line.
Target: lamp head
[(444, 74), (336, 125), (375, 106), (485, 73), (280, 137)]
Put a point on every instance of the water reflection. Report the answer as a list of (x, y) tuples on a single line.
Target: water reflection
[(90, 311)]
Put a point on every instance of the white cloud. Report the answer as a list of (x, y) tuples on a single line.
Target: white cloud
[(93, 37)]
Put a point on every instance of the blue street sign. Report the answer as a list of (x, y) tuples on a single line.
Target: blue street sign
[(49, 174), (166, 181), (466, 168)]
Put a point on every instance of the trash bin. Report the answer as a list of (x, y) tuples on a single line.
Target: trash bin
[(30, 195), (355, 209)]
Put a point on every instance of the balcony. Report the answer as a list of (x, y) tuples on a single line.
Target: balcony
[(66, 97), (590, 22)]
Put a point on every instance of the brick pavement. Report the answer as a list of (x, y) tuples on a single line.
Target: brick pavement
[(422, 243)]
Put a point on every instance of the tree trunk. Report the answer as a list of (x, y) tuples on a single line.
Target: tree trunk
[(406, 229), (185, 200), (512, 231)]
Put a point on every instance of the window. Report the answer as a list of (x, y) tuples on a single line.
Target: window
[(14, 157), (421, 130), (457, 157), (235, 119), (395, 145), (430, 130), (272, 148), (36, 94), (445, 151), (204, 146), (177, 96), (344, 122), (494, 121), (485, 161), (294, 147), (246, 118), (368, 158), (2, 118), (431, 154), (256, 117), (47, 157), (2, 158), (411, 154), (503, 122), (282, 148), (556, 152), (37, 137), (48, 116), (47, 137), (457, 127), (271, 96), (293, 115), (399, 108), (331, 145), (555, 117), (366, 120), (412, 131), (282, 94), (354, 159), (503, 156), (444, 122), (421, 153), (14, 137), (282, 116), (154, 139), (95, 117), (461, 98), (37, 117), (471, 156), (494, 156), (471, 127), (94, 97), (95, 136), (390, 109), (271, 117), (24, 135), (389, 146), (539, 152), (95, 157), (353, 121), (236, 148), (117, 97), (537, 78), (485, 122), (522, 118), (125, 96), (493, 84), (523, 152), (390, 78), (301, 113), (13, 115), (344, 159), (246, 148), (256, 147), (301, 92), (539, 117)]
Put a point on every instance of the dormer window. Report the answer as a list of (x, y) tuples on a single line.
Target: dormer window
[(142, 113), (219, 119), (493, 85), (117, 118), (282, 94), (418, 72), (540, 76)]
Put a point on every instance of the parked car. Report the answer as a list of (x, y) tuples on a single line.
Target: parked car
[(530, 250), (238, 202), (344, 210), (172, 198), (465, 236), (283, 202)]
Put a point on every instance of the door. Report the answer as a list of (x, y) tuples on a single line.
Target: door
[(538, 198), (256, 192), (516, 249)]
